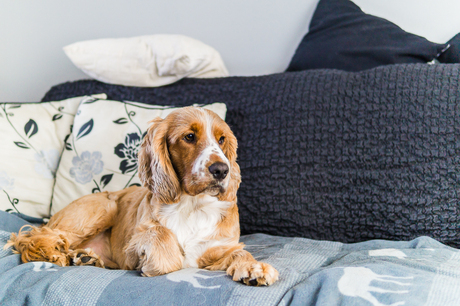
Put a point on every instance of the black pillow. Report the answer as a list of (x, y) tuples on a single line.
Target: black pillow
[(343, 37), (334, 155), (452, 54)]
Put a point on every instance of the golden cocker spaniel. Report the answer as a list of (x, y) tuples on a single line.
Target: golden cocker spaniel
[(184, 216)]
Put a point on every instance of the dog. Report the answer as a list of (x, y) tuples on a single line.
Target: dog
[(185, 215)]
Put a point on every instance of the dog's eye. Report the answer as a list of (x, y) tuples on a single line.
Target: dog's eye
[(221, 140), (189, 137)]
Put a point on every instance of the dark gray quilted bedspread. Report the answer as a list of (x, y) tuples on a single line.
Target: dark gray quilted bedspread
[(333, 155)]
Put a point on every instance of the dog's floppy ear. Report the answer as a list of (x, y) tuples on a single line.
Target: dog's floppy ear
[(155, 169), (229, 150)]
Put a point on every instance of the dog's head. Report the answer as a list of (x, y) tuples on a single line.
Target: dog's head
[(191, 151)]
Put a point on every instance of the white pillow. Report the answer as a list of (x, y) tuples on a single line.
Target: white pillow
[(32, 139), (146, 61), (101, 152)]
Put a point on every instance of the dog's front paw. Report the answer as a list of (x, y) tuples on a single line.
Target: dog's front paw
[(253, 273), (85, 257)]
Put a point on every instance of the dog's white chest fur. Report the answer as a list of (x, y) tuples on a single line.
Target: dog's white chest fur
[(193, 220)]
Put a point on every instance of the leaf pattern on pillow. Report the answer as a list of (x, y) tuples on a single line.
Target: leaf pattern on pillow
[(30, 128), (47, 161), (7, 183), (60, 113), (85, 129)]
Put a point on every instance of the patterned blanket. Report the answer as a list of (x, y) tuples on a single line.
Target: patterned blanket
[(418, 272)]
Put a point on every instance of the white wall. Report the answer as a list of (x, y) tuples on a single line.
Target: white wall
[(253, 36), (437, 20)]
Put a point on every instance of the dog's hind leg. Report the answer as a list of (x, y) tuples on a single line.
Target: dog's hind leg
[(67, 231)]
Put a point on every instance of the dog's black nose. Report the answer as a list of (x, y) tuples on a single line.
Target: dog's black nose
[(218, 170)]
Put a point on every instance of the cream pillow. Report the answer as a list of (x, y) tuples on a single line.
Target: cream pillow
[(146, 61), (32, 139), (101, 152)]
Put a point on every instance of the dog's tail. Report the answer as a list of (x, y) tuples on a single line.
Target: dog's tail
[(40, 244)]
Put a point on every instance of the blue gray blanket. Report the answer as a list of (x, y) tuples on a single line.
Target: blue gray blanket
[(418, 272)]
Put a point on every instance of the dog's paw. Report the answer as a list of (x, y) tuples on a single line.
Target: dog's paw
[(253, 273), (85, 257)]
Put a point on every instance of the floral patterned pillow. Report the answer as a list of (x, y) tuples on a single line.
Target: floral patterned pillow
[(101, 150), (32, 139)]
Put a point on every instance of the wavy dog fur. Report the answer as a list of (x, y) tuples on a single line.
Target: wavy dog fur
[(184, 216)]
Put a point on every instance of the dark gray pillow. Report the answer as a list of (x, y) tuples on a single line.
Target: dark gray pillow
[(341, 36), (452, 54)]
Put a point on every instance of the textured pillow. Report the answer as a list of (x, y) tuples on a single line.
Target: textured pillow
[(335, 155), (32, 139), (341, 36), (101, 152), (146, 61)]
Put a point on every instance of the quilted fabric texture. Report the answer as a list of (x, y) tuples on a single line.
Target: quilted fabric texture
[(335, 155)]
